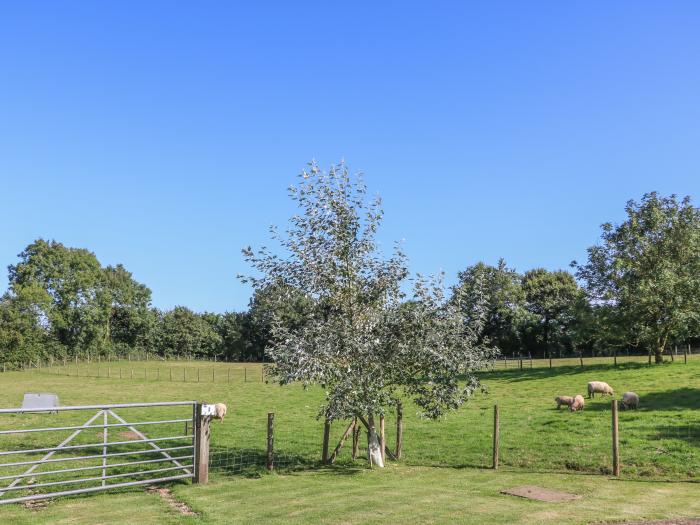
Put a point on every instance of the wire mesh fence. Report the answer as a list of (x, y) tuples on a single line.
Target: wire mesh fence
[(663, 450)]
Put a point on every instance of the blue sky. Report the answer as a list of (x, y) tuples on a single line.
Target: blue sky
[(164, 135)]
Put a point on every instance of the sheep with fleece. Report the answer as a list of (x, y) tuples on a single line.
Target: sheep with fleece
[(599, 387), (220, 411), (563, 400), (578, 403), (629, 400)]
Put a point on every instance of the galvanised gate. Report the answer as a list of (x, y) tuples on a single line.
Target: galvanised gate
[(96, 447)]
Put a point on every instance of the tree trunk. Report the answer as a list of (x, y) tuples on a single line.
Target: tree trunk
[(659, 355), (374, 451)]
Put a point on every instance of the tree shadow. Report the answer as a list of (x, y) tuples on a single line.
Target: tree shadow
[(527, 374), (684, 398)]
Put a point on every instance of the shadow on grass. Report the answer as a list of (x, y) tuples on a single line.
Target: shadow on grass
[(527, 374), (684, 398)]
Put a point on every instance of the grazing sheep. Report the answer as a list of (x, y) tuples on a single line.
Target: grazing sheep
[(599, 387), (578, 403), (629, 400), (563, 400), (220, 410)]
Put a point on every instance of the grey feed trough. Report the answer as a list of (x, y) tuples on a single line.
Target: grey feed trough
[(40, 400)]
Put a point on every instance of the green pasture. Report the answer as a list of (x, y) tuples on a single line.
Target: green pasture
[(445, 460)]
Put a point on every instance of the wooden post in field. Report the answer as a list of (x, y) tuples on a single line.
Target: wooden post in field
[(326, 438), (675, 351), (228, 375), (336, 451), (506, 362), (212, 374), (496, 435), (399, 429), (530, 356), (201, 453), (550, 359), (198, 375), (685, 356), (615, 440), (132, 373), (615, 357), (382, 438), (245, 375), (355, 439), (270, 441), (580, 357)]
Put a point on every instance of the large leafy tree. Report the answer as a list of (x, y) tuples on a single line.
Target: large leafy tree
[(80, 305), (184, 332), (358, 341), (647, 270), (65, 285), (553, 299), (498, 289)]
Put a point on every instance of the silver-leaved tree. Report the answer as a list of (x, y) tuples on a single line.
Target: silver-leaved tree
[(362, 341)]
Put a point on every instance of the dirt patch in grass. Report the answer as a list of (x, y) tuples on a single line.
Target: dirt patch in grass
[(540, 494), (173, 503)]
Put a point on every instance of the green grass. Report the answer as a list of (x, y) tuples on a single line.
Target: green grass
[(435, 481)]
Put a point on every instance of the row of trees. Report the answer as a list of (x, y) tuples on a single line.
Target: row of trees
[(639, 290), (62, 303)]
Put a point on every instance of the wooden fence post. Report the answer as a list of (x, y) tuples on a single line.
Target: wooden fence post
[(245, 375), (212, 375), (326, 438), (496, 435), (615, 440), (355, 438), (580, 357), (382, 438), (399, 429), (685, 357), (202, 433), (615, 357), (270, 441), (530, 356)]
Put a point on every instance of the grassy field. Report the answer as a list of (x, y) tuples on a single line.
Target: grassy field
[(443, 461)]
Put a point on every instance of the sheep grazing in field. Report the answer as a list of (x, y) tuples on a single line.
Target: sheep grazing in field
[(578, 403), (220, 411), (629, 400), (599, 387), (563, 400)]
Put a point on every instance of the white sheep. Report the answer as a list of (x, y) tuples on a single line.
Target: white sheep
[(220, 411), (599, 387), (563, 400), (578, 403), (629, 400)]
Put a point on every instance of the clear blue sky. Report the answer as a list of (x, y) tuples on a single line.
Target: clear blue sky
[(163, 135)]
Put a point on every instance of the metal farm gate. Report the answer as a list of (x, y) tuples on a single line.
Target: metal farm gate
[(151, 442)]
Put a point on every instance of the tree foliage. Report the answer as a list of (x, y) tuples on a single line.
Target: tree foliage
[(359, 340), (646, 271)]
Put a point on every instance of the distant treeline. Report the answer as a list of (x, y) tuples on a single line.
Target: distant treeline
[(640, 290), (62, 303)]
